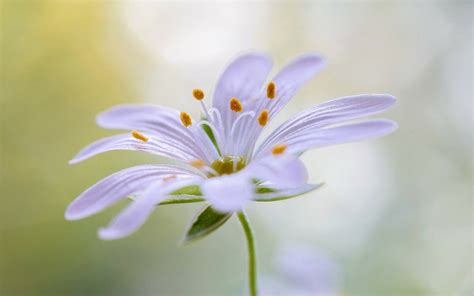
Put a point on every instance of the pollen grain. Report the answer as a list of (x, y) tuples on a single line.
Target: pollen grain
[(139, 136), (271, 90), (279, 149), (186, 119), (236, 105), (263, 117), (198, 94), (197, 163)]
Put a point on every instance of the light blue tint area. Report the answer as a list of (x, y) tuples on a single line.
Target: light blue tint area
[(395, 213)]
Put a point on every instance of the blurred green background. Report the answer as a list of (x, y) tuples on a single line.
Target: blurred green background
[(396, 214)]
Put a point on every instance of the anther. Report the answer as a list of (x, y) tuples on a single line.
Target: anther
[(271, 90), (198, 94), (139, 136), (186, 119), (197, 163), (278, 149), (263, 117), (236, 105)]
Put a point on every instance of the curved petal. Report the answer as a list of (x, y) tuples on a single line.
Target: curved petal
[(328, 113), (228, 193), (340, 134), (279, 171), (291, 78), (148, 118), (119, 185), (127, 142), (161, 122), (243, 79), (133, 216), (287, 82)]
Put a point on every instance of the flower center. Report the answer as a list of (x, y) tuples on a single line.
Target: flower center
[(228, 164)]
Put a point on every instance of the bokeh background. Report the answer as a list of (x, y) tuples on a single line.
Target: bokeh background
[(395, 216)]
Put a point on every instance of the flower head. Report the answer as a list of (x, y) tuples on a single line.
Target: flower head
[(219, 155)]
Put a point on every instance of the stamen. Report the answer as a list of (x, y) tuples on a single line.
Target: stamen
[(139, 136), (236, 105), (186, 119), (279, 149), (271, 90), (198, 94), (263, 117), (169, 178), (197, 163)]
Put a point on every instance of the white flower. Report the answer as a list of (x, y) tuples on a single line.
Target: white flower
[(226, 165)]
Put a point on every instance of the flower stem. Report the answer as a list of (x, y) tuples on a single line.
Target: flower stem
[(251, 250)]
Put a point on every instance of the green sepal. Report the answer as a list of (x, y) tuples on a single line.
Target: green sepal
[(265, 194), (181, 199), (262, 190), (188, 194), (211, 136), (193, 190), (205, 223)]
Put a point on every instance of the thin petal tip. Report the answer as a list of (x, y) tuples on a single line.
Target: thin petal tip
[(74, 161), (314, 58), (386, 99), (254, 57), (393, 125), (77, 212), (390, 98), (70, 215), (387, 126), (108, 234)]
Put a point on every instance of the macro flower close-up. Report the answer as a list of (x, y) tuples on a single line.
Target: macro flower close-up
[(225, 167), (260, 148), (229, 169)]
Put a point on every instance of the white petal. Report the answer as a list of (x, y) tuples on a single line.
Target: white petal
[(243, 78), (127, 142), (146, 118), (325, 114), (228, 193), (281, 171), (163, 124), (291, 78), (341, 134), (133, 216), (119, 185)]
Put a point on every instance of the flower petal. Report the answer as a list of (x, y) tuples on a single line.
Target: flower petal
[(228, 193), (291, 78), (243, 78), (146, 118), (287, 82), (119, 185), (133, 216), (279, 171), (328, 113), (340, 134), (163, 123), (127, 142)]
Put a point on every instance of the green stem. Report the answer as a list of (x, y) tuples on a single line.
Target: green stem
[(251, 250)]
